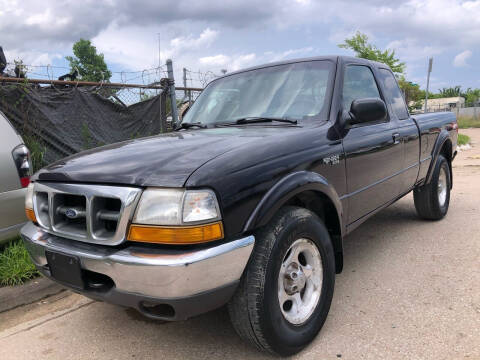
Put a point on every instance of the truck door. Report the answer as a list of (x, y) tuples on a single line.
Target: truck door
[(374, 155), (407, 129)]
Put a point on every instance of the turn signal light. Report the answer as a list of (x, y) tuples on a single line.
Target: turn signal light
[(31, 215), (176, 234)]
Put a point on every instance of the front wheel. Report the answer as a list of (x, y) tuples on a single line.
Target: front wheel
[(432, 200), (285, 293)]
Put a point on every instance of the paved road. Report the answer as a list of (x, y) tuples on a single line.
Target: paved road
[(410, 290)]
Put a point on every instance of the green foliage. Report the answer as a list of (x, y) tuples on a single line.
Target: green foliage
[(472, 97), (22, 68), (468, 122), (411, 92), (463, 139), (37, 151), (91, 66), (15, 264), (363, 49), (450, 92), (23, 88), (146, 96), (86, 137)]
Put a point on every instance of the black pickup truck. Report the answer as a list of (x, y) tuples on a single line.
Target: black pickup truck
[(246, 203)]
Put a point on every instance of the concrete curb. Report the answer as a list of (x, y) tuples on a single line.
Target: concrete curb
[(30, 292)]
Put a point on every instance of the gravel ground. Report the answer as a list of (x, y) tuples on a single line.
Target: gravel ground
[(409, 290)]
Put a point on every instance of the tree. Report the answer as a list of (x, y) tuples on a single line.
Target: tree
[(90, 65), (451, 91), (471, 97), (412, 93), (363, 49)]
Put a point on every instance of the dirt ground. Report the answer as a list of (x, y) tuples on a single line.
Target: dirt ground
[(410, 289)]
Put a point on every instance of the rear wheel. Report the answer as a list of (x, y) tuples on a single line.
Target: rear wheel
[(432, 200), (285, 293)]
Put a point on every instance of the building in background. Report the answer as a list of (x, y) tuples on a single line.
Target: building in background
[(444, 104)]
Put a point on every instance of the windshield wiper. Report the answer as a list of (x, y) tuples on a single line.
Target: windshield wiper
[(190, 125), (256, 119)]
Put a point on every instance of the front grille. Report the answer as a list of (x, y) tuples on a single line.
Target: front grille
[(92, 213)]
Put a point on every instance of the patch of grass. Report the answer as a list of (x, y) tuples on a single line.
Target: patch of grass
[(15, 264), (37, 151), (468, 122), (463, 139)]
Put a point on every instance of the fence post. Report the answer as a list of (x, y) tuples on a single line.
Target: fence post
[(160, 105), (173, 98), (188, 93), (163, 110), (185, 82)]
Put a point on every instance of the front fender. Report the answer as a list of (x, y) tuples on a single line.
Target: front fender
[(286, 189)]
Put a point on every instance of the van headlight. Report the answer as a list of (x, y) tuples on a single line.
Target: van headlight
[(29, 204), (176, 216)]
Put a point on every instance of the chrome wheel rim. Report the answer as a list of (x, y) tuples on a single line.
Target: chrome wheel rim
[(300, 281), (442, 187)]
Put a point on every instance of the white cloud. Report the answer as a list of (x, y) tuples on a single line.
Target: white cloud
[(231, 63), (121, 46), (290, 53), (216, 60), (411, 49), (461, 59), (210, 35), (34, 58), (189, 42)]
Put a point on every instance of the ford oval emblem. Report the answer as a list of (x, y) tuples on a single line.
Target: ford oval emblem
[(71, 213)]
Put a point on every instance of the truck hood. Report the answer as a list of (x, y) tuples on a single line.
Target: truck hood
[(165, 160)]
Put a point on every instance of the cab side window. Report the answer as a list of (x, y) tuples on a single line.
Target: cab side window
[(358, 83), (393, 94)]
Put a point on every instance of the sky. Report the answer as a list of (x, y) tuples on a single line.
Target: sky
[(211, 35)]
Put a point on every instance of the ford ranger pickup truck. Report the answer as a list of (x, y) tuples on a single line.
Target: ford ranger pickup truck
[(246, 203)]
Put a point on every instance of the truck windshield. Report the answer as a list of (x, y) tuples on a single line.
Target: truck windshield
[(297, 91)]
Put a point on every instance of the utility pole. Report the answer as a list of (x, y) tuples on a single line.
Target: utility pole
[(430, 62), (173, 98)]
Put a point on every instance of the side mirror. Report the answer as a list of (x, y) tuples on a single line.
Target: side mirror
[(367, 110)]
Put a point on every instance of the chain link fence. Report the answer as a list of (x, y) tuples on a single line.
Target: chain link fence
[(60, 118)]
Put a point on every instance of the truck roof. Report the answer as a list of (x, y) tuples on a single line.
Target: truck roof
[(333, 58)]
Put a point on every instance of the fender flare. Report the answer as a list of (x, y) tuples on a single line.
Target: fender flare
[(285, 189), (290, 186), (442, 138)]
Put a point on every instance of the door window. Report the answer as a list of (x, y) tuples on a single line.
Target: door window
[(393, 94), (358, 83)]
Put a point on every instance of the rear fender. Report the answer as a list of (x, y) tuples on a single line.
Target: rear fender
[(442, 139)]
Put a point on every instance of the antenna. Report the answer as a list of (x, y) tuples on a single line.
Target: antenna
[(159, 52)]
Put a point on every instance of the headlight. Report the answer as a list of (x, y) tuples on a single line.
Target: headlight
[(29, 204), (159, 207), (199, 206), (176, 207), (176, 216)]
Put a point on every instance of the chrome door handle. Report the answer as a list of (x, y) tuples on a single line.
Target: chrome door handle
[(396, 138)]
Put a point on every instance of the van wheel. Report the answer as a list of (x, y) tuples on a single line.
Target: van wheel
[(432, 200), (286, 290)]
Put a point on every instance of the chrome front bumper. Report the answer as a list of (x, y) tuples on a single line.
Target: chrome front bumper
[(145, 271)]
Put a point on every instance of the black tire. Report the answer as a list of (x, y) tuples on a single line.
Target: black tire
[(255, 310), (427, 200)]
